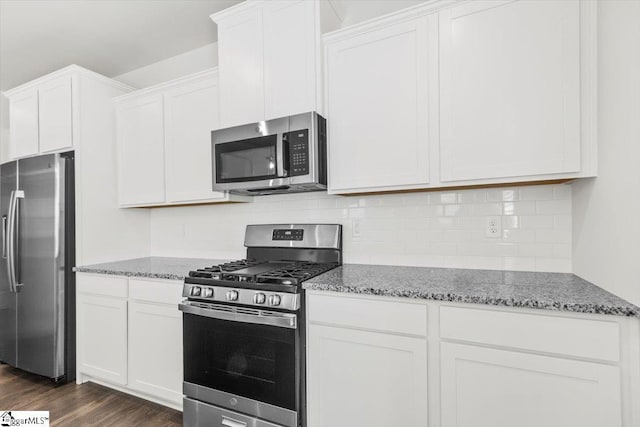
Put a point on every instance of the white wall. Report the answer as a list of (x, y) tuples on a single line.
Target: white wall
[(607, 209), (441, 229)]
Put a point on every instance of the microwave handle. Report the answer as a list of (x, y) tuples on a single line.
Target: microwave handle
[(281, 150)]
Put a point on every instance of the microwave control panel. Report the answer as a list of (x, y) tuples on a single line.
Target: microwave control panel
[(298, 152)]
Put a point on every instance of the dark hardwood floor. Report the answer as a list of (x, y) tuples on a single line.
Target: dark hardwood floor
[(80, 405)]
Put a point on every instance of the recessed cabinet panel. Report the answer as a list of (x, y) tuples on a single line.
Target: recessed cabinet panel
[(377, 108), (509, 89), (24, 124), (54, 100), (141, 151), (289, 57), (102, 337), (191, 113), (483, 387), (155, 350), (359, 378), (240, 49)]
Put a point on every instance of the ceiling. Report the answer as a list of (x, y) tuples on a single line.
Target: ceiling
[(107, 36), (113, 37)]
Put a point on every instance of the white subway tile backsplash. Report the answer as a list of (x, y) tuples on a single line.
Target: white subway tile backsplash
[(519, 208), (439, 229), (536, 221), (537, 193), (497, 195), (550, 207)]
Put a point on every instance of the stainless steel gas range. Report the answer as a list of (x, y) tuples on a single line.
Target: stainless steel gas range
[(244, 343)]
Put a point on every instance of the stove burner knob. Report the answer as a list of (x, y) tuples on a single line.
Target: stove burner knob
[(195, 291), (232, 295), (259, 298), (207, 292), (274, 300)]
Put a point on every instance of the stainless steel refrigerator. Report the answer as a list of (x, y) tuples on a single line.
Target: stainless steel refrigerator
[(37, 284)]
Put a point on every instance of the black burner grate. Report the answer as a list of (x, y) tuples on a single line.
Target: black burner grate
[(293, 274), (216, 271)]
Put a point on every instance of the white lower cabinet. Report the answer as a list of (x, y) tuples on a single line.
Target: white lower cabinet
[(129, 335), (362, 378), (102, 337), (155, 349), (379, 361), (486, 387)]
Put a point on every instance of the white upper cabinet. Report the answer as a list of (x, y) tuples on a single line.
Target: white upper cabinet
[(41, 114), (54, 99), (377, 107), (23, 124), (510, 89), (141, 151), (164, 143), (240, 52), (463, 93), (269, 58), (191, 113), (290, 57)]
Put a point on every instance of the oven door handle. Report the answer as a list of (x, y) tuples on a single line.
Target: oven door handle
[(281, 320)]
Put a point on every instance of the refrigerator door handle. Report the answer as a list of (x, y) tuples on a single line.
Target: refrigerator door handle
[(12, 236), (4, 237), (9, 242)]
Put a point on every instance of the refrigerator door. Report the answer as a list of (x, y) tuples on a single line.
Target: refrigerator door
[(40, 271), (8, 299)]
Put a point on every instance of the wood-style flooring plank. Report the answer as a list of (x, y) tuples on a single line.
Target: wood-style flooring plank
[(72, 405)]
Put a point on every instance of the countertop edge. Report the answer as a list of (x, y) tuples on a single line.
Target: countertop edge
[(623, 311), (145, 275)]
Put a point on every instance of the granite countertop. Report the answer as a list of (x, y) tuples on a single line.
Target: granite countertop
[(151, 267), (550, 291)]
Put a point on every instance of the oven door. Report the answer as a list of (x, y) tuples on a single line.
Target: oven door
[(249, 163), (246, 360)]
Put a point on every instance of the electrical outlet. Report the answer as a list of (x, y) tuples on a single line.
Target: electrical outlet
[(355, 228), (493, 227)]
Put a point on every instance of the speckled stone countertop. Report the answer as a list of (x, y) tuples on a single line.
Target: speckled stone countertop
[(151, 267), (550, 291)]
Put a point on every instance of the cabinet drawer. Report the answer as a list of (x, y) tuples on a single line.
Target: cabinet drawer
[(162, 291), (100, 284), (368, 313), (594, 339)]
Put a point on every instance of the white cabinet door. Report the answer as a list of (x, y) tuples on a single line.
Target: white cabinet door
[(509, 89), (191, 113), (358, 378), (54, 99), (141, 151), (23, 124), (377, 108), (102, 337), (483, 387), (240, 49), (155, 350), (289, 57)]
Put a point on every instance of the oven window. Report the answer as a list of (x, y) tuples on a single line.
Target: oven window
[(247, 160), (248, 360)]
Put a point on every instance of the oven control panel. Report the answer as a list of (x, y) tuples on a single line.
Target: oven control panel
[(288, 234), (250, 297)]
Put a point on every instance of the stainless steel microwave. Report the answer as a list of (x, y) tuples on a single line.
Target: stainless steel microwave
[(286, 155)]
